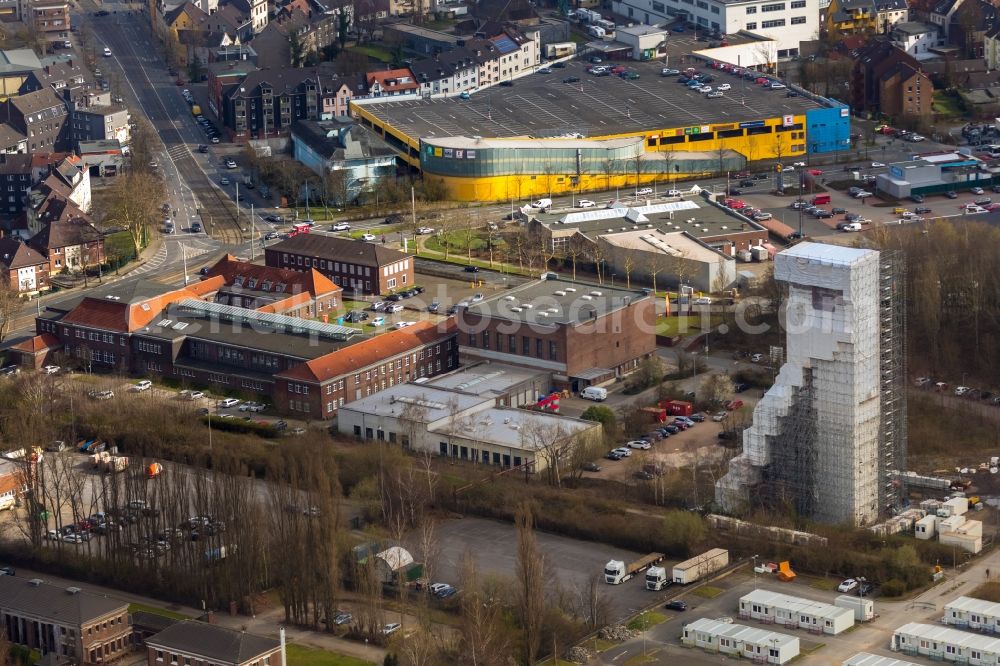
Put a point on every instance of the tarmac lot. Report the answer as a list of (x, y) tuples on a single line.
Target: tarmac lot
[(570, 561), (542, 105)]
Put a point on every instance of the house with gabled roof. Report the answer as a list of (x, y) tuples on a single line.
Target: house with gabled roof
[(67, 237), (193, 642), (306, 294), (23, 268)]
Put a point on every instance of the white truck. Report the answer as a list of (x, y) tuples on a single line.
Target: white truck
[(700, 566), (560, 49), (617, 572), (656, 579)]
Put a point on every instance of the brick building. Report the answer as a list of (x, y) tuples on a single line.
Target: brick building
[(51, 18), (41, 116), (583, 333), (71, 623), (888, 80), (358, 266), (265, 289), (195, 643), (24, 269), (319, 387)]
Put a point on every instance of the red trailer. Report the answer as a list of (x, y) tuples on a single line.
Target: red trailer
[(677, 407)]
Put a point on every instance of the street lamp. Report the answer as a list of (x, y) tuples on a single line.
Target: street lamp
[(754, 558)]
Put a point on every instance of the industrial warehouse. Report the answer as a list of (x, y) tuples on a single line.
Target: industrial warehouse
[(568, 130)]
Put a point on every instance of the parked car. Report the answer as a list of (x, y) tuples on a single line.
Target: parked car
[(676, 605), (226, 403), (590, 467), (393, 627), (847, 585), (340, 226)]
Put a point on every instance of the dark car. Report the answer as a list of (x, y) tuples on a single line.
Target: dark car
[(103, 12), (204, 270), (735, 191), (203, 148), (951, 194), (760, 176), (471, 269), (355, 316), (395, 218), (571, 79), (727, 434), (838, 211), (746, 183), (740, 387), (434, 307), (676, 605), (196, 228), (697, 418), (507, 84), (917, 198), (280, 425), (590, 467), (672, 429), (822, 214), (271, 235), (557, 65), (643, 475), (920, 210), (394, 297), (614, 455)]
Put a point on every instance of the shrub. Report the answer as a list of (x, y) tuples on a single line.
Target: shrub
[(893, 588), (601, 414), (265, 430)]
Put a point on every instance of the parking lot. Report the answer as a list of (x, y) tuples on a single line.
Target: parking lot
[(543, 105)]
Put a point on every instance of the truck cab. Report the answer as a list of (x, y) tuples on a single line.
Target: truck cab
[(656, 579), (614, 572)]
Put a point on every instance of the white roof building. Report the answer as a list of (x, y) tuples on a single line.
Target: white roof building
[(973, 613), (760, 645), (784, 610), (944, 643)]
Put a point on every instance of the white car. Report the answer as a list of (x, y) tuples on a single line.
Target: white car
[(368, 237), (877, 165), (787, 169), (226, 403), (50, 369), (340, 226), (644, 190), (914, 138), (391, 628), (143, 385), (704, 300), (403, 324), (252, 407), (863, 195), (756, 358), (977, 190), (585, 203), (715, 95), (107, 52), (673, 193), (799, 164), (723, 87), (776, 86), (105, 395), (847, 585), (720, 417), (423, 231), (195, 395), (961, 390), (639, 444), (231, 164), (623, 450), (704, 89), (394, 308), (476, 297), (378, 321)]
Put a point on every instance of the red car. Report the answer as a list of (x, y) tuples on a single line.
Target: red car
[(180, 82), (815, 172), (733, 405), (762, 80), (737, 204), (617, 69)]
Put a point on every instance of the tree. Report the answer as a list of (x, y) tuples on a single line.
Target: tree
[(654, 263), (135, 205), (10, 304), (627, 265), (595, 252), (482, 642), (575, 248), (296, 49), (716, 388), (603, 415), (530, 583), (551, 443)]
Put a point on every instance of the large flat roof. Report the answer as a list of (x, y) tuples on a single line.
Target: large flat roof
[(516, 428), (555, 302), (690, 213), (484, 379), (428, 403), (541, 106), (672, 244)]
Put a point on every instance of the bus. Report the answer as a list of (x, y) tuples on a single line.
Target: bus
[(299, 228)]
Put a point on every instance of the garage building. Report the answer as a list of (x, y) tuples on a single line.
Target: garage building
[(788, 611), (759, 645)]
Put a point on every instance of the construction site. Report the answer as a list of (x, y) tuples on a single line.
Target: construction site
[(829, 437)]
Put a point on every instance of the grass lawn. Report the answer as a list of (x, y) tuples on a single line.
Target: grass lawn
[(459, 241), (303, 656), (684, 324), (376, 52), (153, 610), (646, 620), (707, 591), (825, 584), (119, 244), (946, 105)]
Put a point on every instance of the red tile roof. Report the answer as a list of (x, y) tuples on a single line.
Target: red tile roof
[(369, 352), (286, 304), (38, 343), (125, 317), (312, 281)]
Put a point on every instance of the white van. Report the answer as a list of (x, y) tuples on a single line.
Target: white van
[(853, 226), (542, 203), (595, 393)]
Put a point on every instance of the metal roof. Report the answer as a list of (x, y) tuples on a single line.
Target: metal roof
[(278, 322), (794, 604), (741, 633), (973, 605), (868, 659), (948, 636)]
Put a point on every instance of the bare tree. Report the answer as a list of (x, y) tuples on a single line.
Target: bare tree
[(575, 248), (135, 205), (596, 254), (551, 443), (654, 263), (482, 641), (531, 583), (628, 264), (10, 305)]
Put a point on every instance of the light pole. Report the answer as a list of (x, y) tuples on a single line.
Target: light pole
[(754, 558)]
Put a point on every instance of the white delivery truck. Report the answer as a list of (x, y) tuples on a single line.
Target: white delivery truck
[(595, 393), (656, 579), (616, 571)]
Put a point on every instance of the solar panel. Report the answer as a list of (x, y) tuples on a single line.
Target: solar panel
[(505, 45), (278, 322)]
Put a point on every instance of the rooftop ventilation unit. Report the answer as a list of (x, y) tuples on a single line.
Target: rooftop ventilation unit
[(509, 298), (515, 309), (560, 293), (74, 590), (35, 582), (596, 293), (587, 297), (571, 289)]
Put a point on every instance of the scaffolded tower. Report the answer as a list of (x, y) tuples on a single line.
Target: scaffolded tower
[(828, 435)]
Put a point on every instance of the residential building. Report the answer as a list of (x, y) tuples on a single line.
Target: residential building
[(24, 269), (16, 66), (391, 83), (67, 238), (100, 123), (310, 33), (51, 18), (871, 17), (12, 141), (318, 388), (585, 334), (991, 48), (199, 643), (266, 102), (758, 645), (102, 158), (824, 437), (337, 100), (255, 9), (15, 182), (888, 80), (507, 55), (917, 39), (448, 73), (66, 622), (463, 425), (41, 116), (307, 294), (13, 482), (353, 155), (203, 45), (969, 24), (788, 22), (354, 265)]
